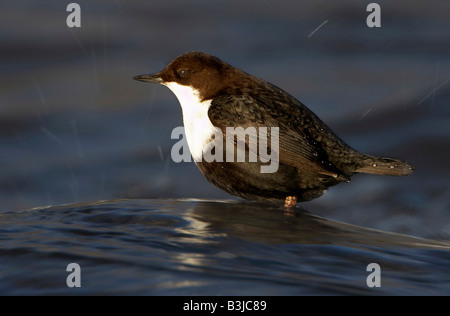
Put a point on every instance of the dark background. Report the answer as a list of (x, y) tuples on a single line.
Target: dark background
[(75, 127)]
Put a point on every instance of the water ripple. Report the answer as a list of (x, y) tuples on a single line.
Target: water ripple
[(188, 247)]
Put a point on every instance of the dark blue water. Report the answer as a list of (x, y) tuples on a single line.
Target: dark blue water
[(76, 129), (179, 247)]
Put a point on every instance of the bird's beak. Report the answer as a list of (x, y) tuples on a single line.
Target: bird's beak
[(155, 78)]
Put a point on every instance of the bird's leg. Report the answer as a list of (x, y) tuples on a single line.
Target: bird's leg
[(290, 201)]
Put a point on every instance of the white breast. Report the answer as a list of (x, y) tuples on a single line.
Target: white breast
[(197, 126)]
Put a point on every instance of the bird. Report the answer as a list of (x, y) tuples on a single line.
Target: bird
[(310, 157)]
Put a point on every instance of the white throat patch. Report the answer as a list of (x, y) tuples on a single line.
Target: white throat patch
[(197, 126)]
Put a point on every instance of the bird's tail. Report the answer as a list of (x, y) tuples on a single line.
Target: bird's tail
[(384, 166)]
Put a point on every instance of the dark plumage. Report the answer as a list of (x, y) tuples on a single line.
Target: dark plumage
[(311, 156)]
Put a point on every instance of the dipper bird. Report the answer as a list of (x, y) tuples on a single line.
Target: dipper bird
[(215, 96)]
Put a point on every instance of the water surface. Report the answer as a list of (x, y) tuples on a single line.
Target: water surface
[(187, 247)]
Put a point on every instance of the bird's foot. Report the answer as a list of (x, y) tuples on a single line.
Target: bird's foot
[(290, 201)]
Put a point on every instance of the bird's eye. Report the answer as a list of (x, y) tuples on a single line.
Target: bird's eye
[(183, 73)]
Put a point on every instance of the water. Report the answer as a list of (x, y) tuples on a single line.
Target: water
[(179, 247), (78, 134)]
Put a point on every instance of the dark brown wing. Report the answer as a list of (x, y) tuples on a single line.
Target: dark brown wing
[(297, 147)]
